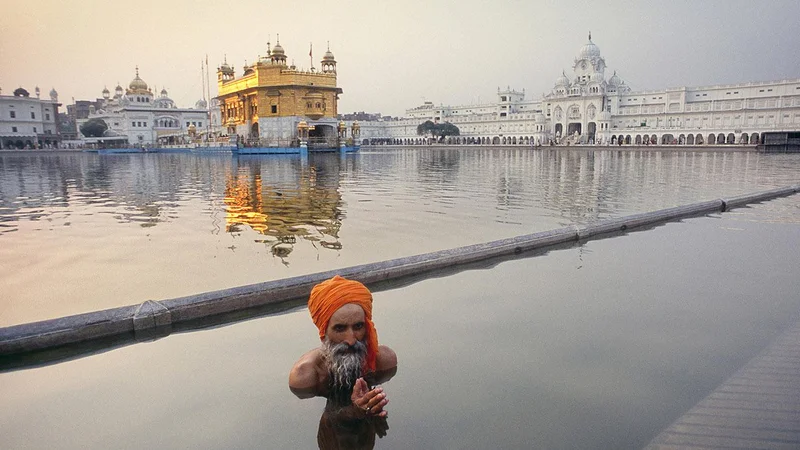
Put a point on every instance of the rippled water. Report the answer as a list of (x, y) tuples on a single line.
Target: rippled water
[(597, 345), (81, 232)]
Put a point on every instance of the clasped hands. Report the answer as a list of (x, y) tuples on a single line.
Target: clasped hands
[(371, 401)]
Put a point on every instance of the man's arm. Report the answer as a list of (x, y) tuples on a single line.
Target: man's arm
[(304, 379)]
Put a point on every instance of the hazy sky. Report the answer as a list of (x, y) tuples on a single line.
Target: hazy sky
[(393, 55)]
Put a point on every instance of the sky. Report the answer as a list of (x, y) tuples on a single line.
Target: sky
[(392, 56)]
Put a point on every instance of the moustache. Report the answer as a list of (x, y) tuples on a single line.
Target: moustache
[(345, 349)]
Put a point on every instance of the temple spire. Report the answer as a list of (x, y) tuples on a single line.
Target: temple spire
[(590, 36)]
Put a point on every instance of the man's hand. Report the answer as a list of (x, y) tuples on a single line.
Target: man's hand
[(369, 401)]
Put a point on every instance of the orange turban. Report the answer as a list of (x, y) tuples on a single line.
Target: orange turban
[(330, 295)]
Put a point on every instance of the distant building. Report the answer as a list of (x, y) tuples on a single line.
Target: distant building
[(588, 107), (137, 117), (361, 116), (270, 100), (28, 122)]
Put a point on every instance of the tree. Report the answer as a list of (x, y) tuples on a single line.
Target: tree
[(426, 127), (440, 130), (94, 128), (447, 129)]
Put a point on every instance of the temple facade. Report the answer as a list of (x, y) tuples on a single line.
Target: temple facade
[(586, 106), (28, 122), (136, 116), (274, 104)]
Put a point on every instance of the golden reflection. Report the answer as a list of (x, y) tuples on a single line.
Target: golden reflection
[(307, 209)]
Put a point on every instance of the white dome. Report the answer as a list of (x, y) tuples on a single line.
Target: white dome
[(201, 104), (562, 80), (589, 51), (614, 80), (597, 77)]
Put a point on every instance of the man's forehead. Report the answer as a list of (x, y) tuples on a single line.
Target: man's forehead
[(348, 311)]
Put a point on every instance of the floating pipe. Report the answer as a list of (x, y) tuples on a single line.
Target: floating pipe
[(161, 315)]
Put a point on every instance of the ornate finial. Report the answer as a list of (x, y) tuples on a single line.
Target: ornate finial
[(225, 58), (590, 35), (329, 45), (279, 39), (137, 71)]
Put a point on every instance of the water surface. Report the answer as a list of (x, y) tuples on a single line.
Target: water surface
[(599, 345), (81, 232)]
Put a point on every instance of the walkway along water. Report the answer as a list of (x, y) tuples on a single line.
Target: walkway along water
[(54, 340)]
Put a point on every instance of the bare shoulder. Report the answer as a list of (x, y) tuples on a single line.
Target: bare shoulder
[(387, 358), (306, 372)]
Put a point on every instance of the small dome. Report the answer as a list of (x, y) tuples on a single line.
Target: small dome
[(614, 80), (106, 91), (328, 56), (562, 80), (137, 84), (278, 50), (163, 92), (53, 94), (21, 92), (118, 89), (597, 77), (201, 104)]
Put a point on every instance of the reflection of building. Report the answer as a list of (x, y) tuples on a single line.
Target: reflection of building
[(137, 116), (27, 122), (304, 208), (587, 106), (266, 104)]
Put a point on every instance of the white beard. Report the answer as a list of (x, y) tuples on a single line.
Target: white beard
[(344, 363)]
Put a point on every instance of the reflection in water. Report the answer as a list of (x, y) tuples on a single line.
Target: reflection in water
[(108, 215), (308, 206), (338, 430)]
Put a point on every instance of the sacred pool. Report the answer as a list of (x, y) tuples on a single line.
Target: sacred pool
[(600, 344)]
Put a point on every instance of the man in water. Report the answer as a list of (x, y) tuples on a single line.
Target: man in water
[(349, 355)]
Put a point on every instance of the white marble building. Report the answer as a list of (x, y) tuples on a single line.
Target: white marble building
[(28, 122), (589, 107), (139, 117)]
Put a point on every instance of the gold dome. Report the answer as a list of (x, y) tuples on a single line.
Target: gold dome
[(137, 84)]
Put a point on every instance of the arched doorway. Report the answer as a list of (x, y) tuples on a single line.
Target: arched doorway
[(698, 140), (730, 139), (711, 139), (591, 130), (496, 140), (573, 128), (720, 138), (754, 139), (667, 139), (322, 136), (254, 131), (628, 139), (690, 139), (745, 139), (638, 140), (559, 130)]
